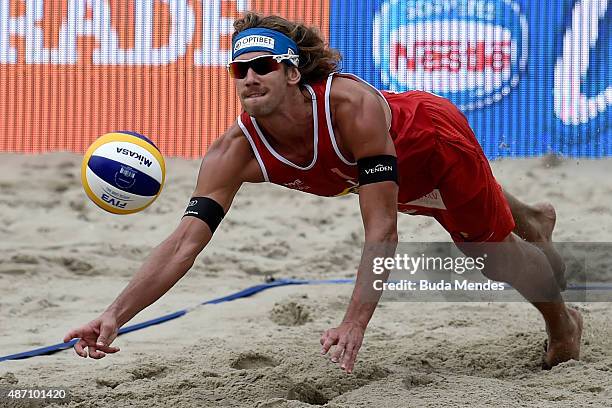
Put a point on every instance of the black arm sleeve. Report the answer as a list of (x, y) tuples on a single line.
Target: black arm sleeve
[(375, 169), (206, 209)]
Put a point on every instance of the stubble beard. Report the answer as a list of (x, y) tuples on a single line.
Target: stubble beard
[(259, 110)]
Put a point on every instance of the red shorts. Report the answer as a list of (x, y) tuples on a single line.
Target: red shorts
[(466, 199), (477, 210)]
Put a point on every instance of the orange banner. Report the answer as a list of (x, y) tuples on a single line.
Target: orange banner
[(72, 71)]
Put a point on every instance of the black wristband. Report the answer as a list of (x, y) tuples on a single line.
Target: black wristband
[(206, 209), (375, 169)]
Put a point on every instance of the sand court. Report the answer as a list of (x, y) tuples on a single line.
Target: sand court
[(62, 261)]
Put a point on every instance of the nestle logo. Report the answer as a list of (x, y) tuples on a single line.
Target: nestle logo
[(452, 56), (379, 168), (470, 52)]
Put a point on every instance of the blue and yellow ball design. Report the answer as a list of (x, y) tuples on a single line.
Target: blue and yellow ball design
[(123, 172)]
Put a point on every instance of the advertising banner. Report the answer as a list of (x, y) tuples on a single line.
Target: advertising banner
[(73, 70), (533, 77)]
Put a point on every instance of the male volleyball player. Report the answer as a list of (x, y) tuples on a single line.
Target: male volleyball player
[(309, 128)]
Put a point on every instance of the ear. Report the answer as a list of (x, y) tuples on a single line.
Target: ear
[(293, 75)]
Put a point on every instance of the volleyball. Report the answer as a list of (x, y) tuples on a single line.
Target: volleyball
[(123, 172)]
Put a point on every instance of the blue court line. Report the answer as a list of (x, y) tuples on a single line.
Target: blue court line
[(241, 294), (237, 295)]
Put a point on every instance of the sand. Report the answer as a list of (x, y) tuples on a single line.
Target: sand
[(62, 261)]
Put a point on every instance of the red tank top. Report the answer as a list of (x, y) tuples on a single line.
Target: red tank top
[(329, 173), (413, 128)]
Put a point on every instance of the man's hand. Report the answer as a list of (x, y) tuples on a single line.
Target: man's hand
[(96, 335), (347, 338)]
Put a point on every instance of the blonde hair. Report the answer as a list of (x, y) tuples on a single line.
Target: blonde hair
[(317, 60)]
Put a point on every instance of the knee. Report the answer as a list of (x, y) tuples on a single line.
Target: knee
[(497, 270), (513, 257), (500, 258)]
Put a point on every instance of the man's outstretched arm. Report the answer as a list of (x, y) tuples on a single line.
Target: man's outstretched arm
[(227, 164), (362, 117)]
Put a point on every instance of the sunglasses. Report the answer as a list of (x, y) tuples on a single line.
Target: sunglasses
[(262, 64)]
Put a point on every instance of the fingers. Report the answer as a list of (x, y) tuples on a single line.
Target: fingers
[(107, 335), (347, 341), (88, 345), (108, 349), (82, 347), (328, 339), (338, 351), (72, 334), (94, 338), (94, 353), (347, 354), (348, 361), (82, 334), (78, 348), (78, 333)]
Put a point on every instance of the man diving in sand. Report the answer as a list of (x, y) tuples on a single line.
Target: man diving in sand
[(308, 127)]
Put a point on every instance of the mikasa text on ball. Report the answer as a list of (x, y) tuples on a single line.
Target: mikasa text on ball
[(123, 172)]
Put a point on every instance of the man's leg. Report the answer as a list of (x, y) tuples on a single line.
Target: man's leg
[(489, 216), (527, 269), (535, 224)]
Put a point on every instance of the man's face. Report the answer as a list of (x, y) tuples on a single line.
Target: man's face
[(261, 95)]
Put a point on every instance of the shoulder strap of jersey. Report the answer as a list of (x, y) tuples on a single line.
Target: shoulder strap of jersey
[(244, 122)]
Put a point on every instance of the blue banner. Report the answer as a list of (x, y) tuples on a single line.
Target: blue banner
[(533, 77)]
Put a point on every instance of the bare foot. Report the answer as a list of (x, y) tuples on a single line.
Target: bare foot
[(547, 217), (541, 226), (544, 218), (565, 348)]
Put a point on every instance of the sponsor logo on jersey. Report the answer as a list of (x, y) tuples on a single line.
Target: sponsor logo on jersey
[(297, 185), (470, 51), (433, 199)]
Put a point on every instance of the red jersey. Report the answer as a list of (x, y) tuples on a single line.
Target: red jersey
[(329, 173), (431, 138)]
